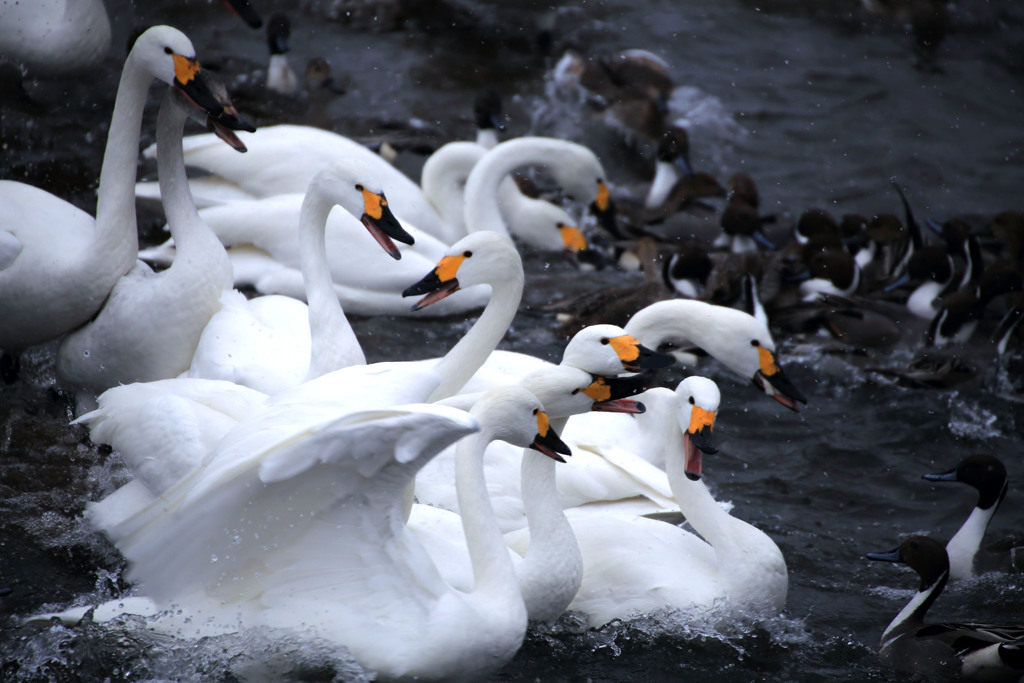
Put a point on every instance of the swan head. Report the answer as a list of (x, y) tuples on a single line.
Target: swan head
[(565, 391), (352, 185), (167, 54), (513, 414), (698, 399), (770, 378), (609, 350), (478, 258)]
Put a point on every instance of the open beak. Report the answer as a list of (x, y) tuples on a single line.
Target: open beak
[(382, 224), (697, 441), (438, 283), (547, 440)]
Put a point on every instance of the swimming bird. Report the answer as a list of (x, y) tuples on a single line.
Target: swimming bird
[(967, 558), (45, 291), (968, 650), (274, 342), (328, 553), (634, 565), (150, 323)]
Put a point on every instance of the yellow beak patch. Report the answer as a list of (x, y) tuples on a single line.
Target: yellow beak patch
[(373, 204), (185, 69), (543, 424), (598, 390), (700, 418), (626, 346), (768, 365), (448, 267), (603, 196), (573, 238)]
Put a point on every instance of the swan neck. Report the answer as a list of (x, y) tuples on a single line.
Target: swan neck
[(116, 234), (493, 572), (695, 501), (552, 540), (470, 353), (333, 343), (483, 201)]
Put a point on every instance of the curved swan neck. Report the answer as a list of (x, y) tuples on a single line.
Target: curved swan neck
[(116, 235), (333, 343), (689, 320), (695, 501), (493, 572), (467, 356), (197, 248)]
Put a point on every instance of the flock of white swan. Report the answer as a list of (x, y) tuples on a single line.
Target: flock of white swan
[(413, 512)]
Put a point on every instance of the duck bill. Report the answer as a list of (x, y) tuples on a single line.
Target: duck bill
[(941, 476), (891, 556), (619, 405), (382, 224), (547, 440), (244, 10), (771, 380)]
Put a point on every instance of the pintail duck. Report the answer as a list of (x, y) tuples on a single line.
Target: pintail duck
[(970, 650), (967, 557)]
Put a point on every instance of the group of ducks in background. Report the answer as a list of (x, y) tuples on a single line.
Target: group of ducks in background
[(282, 481)]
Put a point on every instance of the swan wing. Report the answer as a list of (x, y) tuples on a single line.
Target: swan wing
[(220, 525)]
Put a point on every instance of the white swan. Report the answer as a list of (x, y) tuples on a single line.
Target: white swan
[(57, 263), (734, 338), (327, 552), (55, 36), (150, 323), (199, 417), (550, 573), (271, 343), (635, 565), (264, 251), (283, 159)]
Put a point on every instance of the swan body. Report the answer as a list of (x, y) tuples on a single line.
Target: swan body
[(341, 564), (55, 36), (494, 261), (276, 342), (46, 291), (149, 326), (283, 159), (638, 565)]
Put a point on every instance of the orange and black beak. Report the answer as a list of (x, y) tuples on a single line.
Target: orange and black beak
[(697, 440), (603, 209), (573, 238), (609, 394), (771, 380), (636, 357), (381, 223), (245, 11), (438, 283), (547, 440), (208, 95)]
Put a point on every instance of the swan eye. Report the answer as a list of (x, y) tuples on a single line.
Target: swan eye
[(754, 342), (692, 402), (168, 51), (467, 254), (359, 187), (575, 391), (559, 225), (605, 340), (536, 410)]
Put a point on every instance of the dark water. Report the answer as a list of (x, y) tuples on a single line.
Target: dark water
[(818, 102)]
